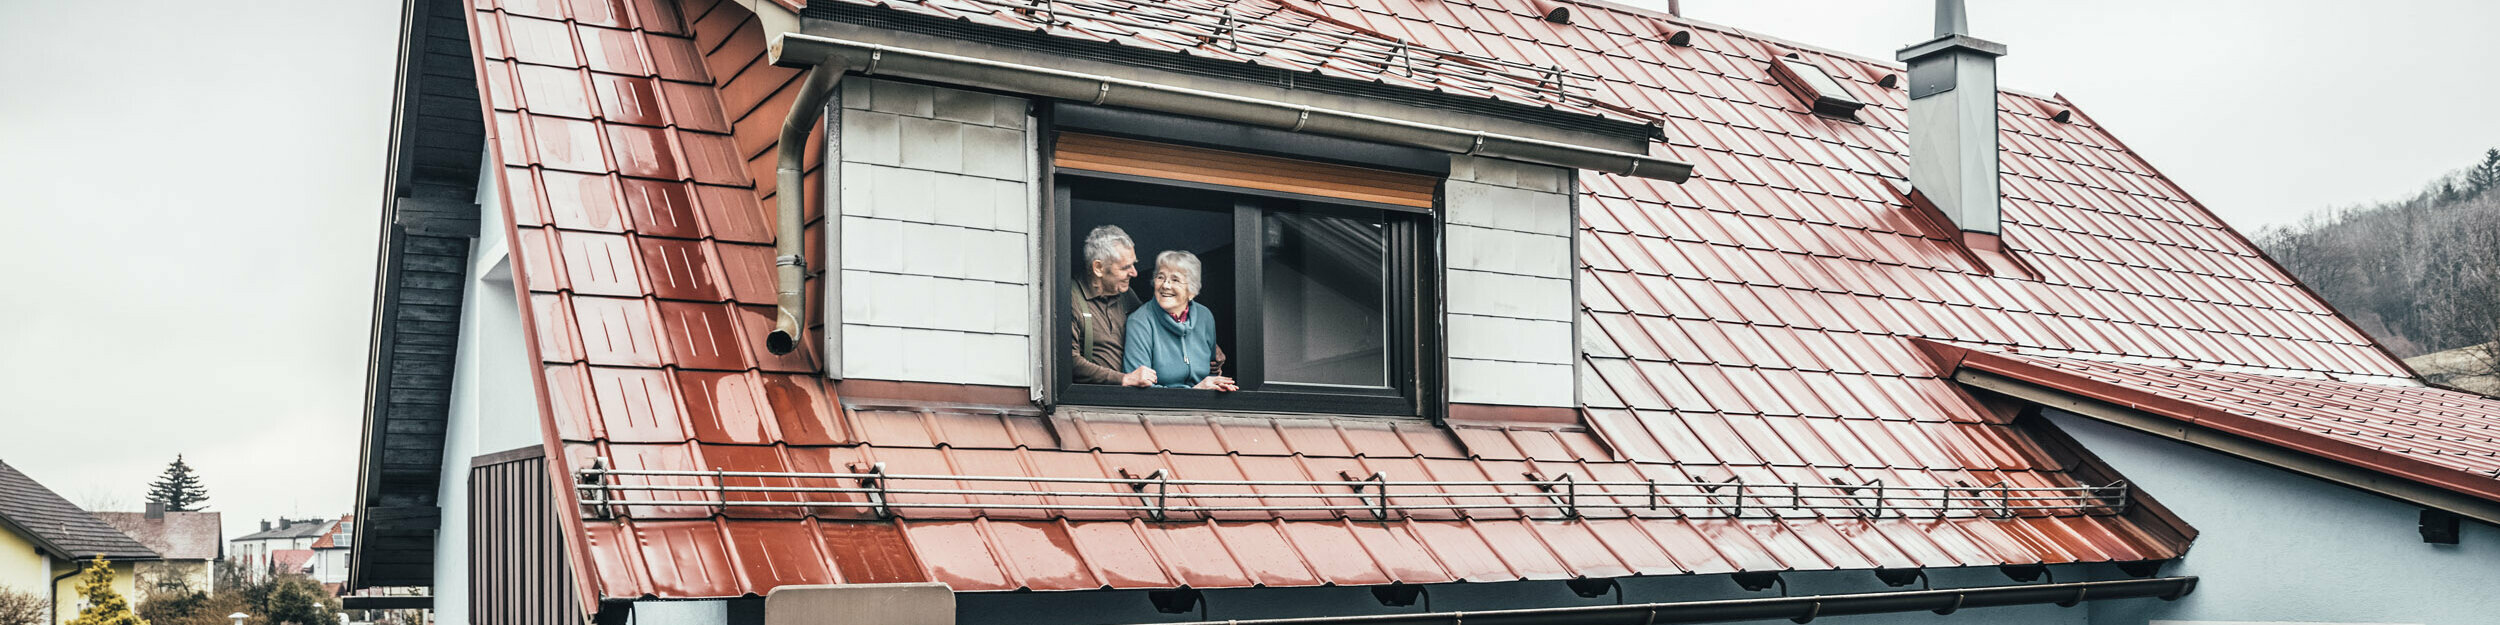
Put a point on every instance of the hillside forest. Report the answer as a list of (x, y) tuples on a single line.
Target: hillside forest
[(2420, 274)]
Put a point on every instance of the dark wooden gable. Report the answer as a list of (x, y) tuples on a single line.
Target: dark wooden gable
[(431, 220)]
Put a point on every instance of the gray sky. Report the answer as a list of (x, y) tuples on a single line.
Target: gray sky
[(191, 190), (2264, 111)]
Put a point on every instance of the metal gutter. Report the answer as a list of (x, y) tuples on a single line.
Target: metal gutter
[(803, 50), (790, 205), (2213, 439), (1799, 609)]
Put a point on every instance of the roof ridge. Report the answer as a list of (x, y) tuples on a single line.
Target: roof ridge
[(1685, 20)]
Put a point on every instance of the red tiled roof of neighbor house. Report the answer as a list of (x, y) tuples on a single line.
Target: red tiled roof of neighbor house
[(1752, 323), (285, 561)]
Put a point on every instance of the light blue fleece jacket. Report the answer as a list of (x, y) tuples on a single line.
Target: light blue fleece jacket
[(1180, 352)]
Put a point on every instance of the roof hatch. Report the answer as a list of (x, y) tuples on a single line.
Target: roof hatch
[(1810, 83)]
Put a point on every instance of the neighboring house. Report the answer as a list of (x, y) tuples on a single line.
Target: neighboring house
[(188, 545), (45, 541), (272, 550), (329, 562), (707, 311)]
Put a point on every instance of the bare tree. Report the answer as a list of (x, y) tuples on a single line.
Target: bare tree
[(2419, 275), (18, 607)]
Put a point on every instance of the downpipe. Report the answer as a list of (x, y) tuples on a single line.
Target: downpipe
[(790, 206)]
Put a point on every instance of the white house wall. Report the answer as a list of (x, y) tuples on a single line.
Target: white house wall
[(2274, 546), (1507, 240), (493, 405), (936, 214)]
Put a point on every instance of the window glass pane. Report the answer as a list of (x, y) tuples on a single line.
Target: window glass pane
[(1323, 297), (1822, 83)]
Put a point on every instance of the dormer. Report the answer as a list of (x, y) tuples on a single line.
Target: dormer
[(1352, 251)]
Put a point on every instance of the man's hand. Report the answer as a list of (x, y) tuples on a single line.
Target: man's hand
[(1141, 378), (1218, 383)]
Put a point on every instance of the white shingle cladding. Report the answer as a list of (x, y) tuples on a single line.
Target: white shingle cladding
[(1508, 240), (935, 245)]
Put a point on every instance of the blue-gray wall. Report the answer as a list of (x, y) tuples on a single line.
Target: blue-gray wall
[(1131, 607), (2276, 546)]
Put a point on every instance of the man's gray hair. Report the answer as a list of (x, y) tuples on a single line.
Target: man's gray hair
[(1182, 262), (1105, 243)]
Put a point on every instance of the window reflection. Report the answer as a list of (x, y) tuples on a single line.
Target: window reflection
[(1323, 297)]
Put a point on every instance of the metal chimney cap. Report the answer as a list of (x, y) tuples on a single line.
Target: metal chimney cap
[(1949, 43)]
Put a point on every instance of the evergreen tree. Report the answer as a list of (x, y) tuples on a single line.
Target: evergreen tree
[(104, 606), (178, 488), (299, 600), (2483, 177)]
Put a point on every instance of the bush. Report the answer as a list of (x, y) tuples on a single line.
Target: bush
[(18, 607), (299, 600), (104, 605), (184, 606)]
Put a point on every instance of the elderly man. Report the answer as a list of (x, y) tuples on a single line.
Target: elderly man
[(1102, 302)]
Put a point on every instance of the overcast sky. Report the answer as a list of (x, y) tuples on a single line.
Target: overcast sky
[(190, 190)]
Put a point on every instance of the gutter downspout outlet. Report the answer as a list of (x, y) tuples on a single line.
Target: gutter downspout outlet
[(790, 207)]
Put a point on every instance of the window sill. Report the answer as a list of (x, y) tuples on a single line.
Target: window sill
[(1183, 399)]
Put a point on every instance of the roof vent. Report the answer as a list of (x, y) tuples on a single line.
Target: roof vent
[(1683, 38), (1556, 13), (1810, 83), (2066, 116), (1889, 81)]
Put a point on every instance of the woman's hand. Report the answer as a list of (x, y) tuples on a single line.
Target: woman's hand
[(1218, 383), (1141, 378)]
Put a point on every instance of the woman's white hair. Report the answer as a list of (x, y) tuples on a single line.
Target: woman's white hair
[(1182, 262), (1105, 243)]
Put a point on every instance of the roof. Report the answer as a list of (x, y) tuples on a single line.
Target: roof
[(430, 220), (1754, 322), (339, 535), (291, 560), (59, 527), (176, 535), (291, 528), (2443, 438)]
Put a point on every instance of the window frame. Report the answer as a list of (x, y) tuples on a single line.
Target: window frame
[(1413, 303)]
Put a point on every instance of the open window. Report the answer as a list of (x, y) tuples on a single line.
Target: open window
[(1316, 275)]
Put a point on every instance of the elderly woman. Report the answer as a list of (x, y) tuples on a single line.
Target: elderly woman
[(1174, 340)]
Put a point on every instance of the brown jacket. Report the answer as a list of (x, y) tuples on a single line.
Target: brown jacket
[(1099, 323)]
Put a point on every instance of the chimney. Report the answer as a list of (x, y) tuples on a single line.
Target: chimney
[(264, 525), (1953, 120), (156, 509)]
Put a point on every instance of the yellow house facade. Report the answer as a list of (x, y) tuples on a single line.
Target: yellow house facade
[(24, 567), (44, 540)]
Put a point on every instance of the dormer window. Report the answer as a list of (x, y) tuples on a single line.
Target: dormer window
[(1252, 282), (1816, 87)]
